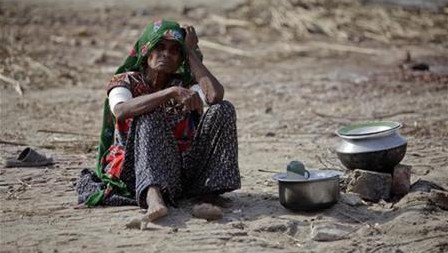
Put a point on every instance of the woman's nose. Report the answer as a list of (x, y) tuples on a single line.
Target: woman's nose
[(165, 53)]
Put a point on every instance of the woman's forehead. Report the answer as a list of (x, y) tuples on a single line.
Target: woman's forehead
[(169, 43)]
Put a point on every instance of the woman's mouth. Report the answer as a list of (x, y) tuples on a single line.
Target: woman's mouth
[(163, 62)]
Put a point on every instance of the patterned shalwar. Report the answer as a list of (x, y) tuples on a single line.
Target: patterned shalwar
[(209, 166)]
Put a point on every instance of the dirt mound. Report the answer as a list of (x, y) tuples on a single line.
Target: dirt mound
[(348, 20)]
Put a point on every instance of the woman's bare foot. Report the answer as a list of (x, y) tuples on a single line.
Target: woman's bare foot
[(156, 206)]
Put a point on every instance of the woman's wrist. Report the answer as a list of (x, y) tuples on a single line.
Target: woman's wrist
[(193, 60), (171, 92), (191, 51)]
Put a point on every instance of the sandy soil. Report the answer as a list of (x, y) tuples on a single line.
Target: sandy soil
[(289, 98)]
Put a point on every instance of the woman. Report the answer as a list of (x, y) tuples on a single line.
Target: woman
[(157, 144)]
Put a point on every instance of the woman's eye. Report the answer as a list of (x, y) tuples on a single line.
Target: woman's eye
[(160, 47)]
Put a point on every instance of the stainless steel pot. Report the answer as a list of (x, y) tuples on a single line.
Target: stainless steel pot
[(375, 146), (320, 191)]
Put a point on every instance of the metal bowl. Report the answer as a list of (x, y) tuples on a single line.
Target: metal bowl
[(375, 146), (320, 191), (368, 129)]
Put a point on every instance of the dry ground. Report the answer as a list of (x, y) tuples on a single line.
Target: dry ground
[(290, 98)]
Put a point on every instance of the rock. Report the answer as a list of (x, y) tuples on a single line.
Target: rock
[(82, 32), (420, 66), (134, 223), (207, 212), (370, 185), (439, 198), (141, 223), (413, 199), (351, 199), (401, 180), (238, 225), (101, 57), (274, 226), (425, 186), (270, 134), (434, 197), (328, 232), (144, 223), (344, 180)]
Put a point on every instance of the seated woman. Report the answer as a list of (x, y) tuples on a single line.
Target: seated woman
[(157, 144)]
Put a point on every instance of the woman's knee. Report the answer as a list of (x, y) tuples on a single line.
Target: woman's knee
[(152, 122), (224, 109)]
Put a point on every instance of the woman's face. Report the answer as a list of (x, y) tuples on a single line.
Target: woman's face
[(165, 57)]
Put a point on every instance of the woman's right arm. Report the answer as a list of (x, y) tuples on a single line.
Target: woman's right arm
[(142, 104), (147, 103)]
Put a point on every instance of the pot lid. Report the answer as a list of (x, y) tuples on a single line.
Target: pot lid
[(360, 130), (315, 175)]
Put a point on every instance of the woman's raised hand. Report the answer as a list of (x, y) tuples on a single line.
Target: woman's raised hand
[(191, 39), (190, 99)]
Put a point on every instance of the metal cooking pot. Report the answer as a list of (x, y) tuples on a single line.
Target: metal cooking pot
[(375, 146), (320, 191)]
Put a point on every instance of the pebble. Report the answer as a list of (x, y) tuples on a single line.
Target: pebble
[(439, 198), (328, 232), (134, 223), (207, 211), (351, 199)]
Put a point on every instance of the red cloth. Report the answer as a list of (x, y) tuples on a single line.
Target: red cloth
[(183, 133)]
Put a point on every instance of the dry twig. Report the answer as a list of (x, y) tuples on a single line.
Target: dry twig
[(358, 220), (13, 143), (40, 66), (64, 132), (14, 82), (226, 49), (320, 160), (229, 22), (347, 48)]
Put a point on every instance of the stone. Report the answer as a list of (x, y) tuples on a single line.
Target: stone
[(401, 180), (141, 222), (344, 180), (439, 198), (134, 223), (351, 199), (207, 211), (413, 199), (425, 186), (370, 185), (273, 225), (328, 232)]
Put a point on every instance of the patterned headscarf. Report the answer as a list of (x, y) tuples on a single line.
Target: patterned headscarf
[(153, 34)]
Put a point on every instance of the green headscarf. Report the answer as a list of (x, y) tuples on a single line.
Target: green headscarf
[(153, 34)]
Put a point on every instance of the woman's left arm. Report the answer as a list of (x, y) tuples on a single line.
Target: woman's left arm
[(214, 91)]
